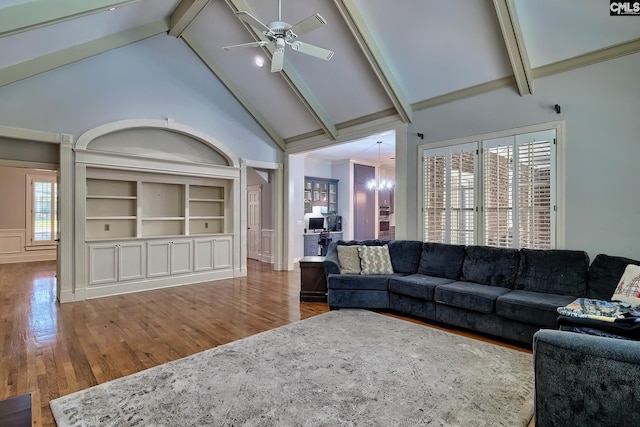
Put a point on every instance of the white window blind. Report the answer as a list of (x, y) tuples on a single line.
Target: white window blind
[(43, 212), (449, 202), (505, 197)]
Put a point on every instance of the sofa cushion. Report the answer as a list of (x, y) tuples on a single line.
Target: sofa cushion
[(375, 260), (442, 260), (491, 266), (359, 282), (405, 255), (605, 273), (536, 308), (417, 285), (554, 271), (470, 296), (349, 259)]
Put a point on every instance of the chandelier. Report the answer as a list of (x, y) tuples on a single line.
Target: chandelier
[(379, 184)]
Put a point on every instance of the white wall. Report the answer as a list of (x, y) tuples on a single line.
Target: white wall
[(600, 105), (155, 78), (343, 171), (296, 173), (317, 168)]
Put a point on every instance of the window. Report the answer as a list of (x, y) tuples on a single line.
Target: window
[(449, 199), (42, 214), (496, 192)]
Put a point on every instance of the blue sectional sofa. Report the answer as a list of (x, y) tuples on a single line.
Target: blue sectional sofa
[(507, 293), (585, 380)]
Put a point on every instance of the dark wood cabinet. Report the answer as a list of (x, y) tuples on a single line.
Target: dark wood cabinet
[(313, 281)]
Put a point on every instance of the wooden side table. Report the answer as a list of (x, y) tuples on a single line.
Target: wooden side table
[(313, 281)]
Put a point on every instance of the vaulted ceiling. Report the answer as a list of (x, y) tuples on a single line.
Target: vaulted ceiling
[(391, 57)]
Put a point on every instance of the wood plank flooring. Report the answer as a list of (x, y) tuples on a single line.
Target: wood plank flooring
[(51, 349)]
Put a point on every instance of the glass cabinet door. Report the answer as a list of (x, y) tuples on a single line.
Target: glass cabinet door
[(320, 192), (333, 197)]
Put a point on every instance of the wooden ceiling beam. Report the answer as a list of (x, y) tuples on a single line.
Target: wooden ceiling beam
[(514, 42), (60, 58), (374, 56), (27, 16), (185, 12)]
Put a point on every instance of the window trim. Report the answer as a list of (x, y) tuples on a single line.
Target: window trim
[(30, 244), (558, 126)]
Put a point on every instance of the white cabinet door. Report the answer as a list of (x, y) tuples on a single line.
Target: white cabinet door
[(181, 257), (222, 252), (131, 261), (103, 264), (203, 255), (158, 259)]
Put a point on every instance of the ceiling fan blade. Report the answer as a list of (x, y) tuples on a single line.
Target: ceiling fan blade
[(277, 61), (308, 24), (312, 50), (252, 20), (252, 44)]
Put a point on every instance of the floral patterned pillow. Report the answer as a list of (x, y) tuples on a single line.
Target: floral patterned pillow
[(628, 289)]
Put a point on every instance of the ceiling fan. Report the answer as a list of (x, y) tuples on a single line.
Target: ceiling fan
[(280, 34)]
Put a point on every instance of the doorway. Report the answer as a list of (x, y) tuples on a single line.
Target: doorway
[(254, 227), (261, 210)]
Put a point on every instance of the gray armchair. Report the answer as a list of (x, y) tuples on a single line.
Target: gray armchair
[(585, 380)]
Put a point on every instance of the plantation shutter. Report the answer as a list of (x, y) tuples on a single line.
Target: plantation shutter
[(498, 161), (536, 181), (518, 190), (449, 194)]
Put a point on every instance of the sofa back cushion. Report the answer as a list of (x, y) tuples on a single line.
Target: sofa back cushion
[(442, 260), (555, 271), (491, 266), (605, 273), (405, 255)]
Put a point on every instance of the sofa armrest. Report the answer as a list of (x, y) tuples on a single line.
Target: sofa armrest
[(331, 263), (585, 380)]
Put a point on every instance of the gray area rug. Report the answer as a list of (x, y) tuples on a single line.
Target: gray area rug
[(342, 368)]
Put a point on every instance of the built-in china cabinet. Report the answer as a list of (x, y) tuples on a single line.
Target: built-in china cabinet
[(320, 192)]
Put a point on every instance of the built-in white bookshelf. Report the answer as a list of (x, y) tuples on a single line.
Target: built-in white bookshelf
[(206, 209), (140, 208), (162, 209), (111, 208)]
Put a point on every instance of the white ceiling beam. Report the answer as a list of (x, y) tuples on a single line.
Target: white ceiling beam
[(44, 63), (594, 57), (514, 41), (28, 16), (291, 77), (232, 88), (376, 59), (186, 12)]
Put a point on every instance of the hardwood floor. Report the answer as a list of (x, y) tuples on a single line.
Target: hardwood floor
[(51, 349)]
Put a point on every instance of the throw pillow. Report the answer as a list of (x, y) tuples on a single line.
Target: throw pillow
[(628, 289), (349, 259), (375, 260)]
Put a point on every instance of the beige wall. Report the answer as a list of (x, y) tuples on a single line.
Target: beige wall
[(12, 197)]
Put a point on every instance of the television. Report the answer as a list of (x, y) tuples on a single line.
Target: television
[(316, 224)]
